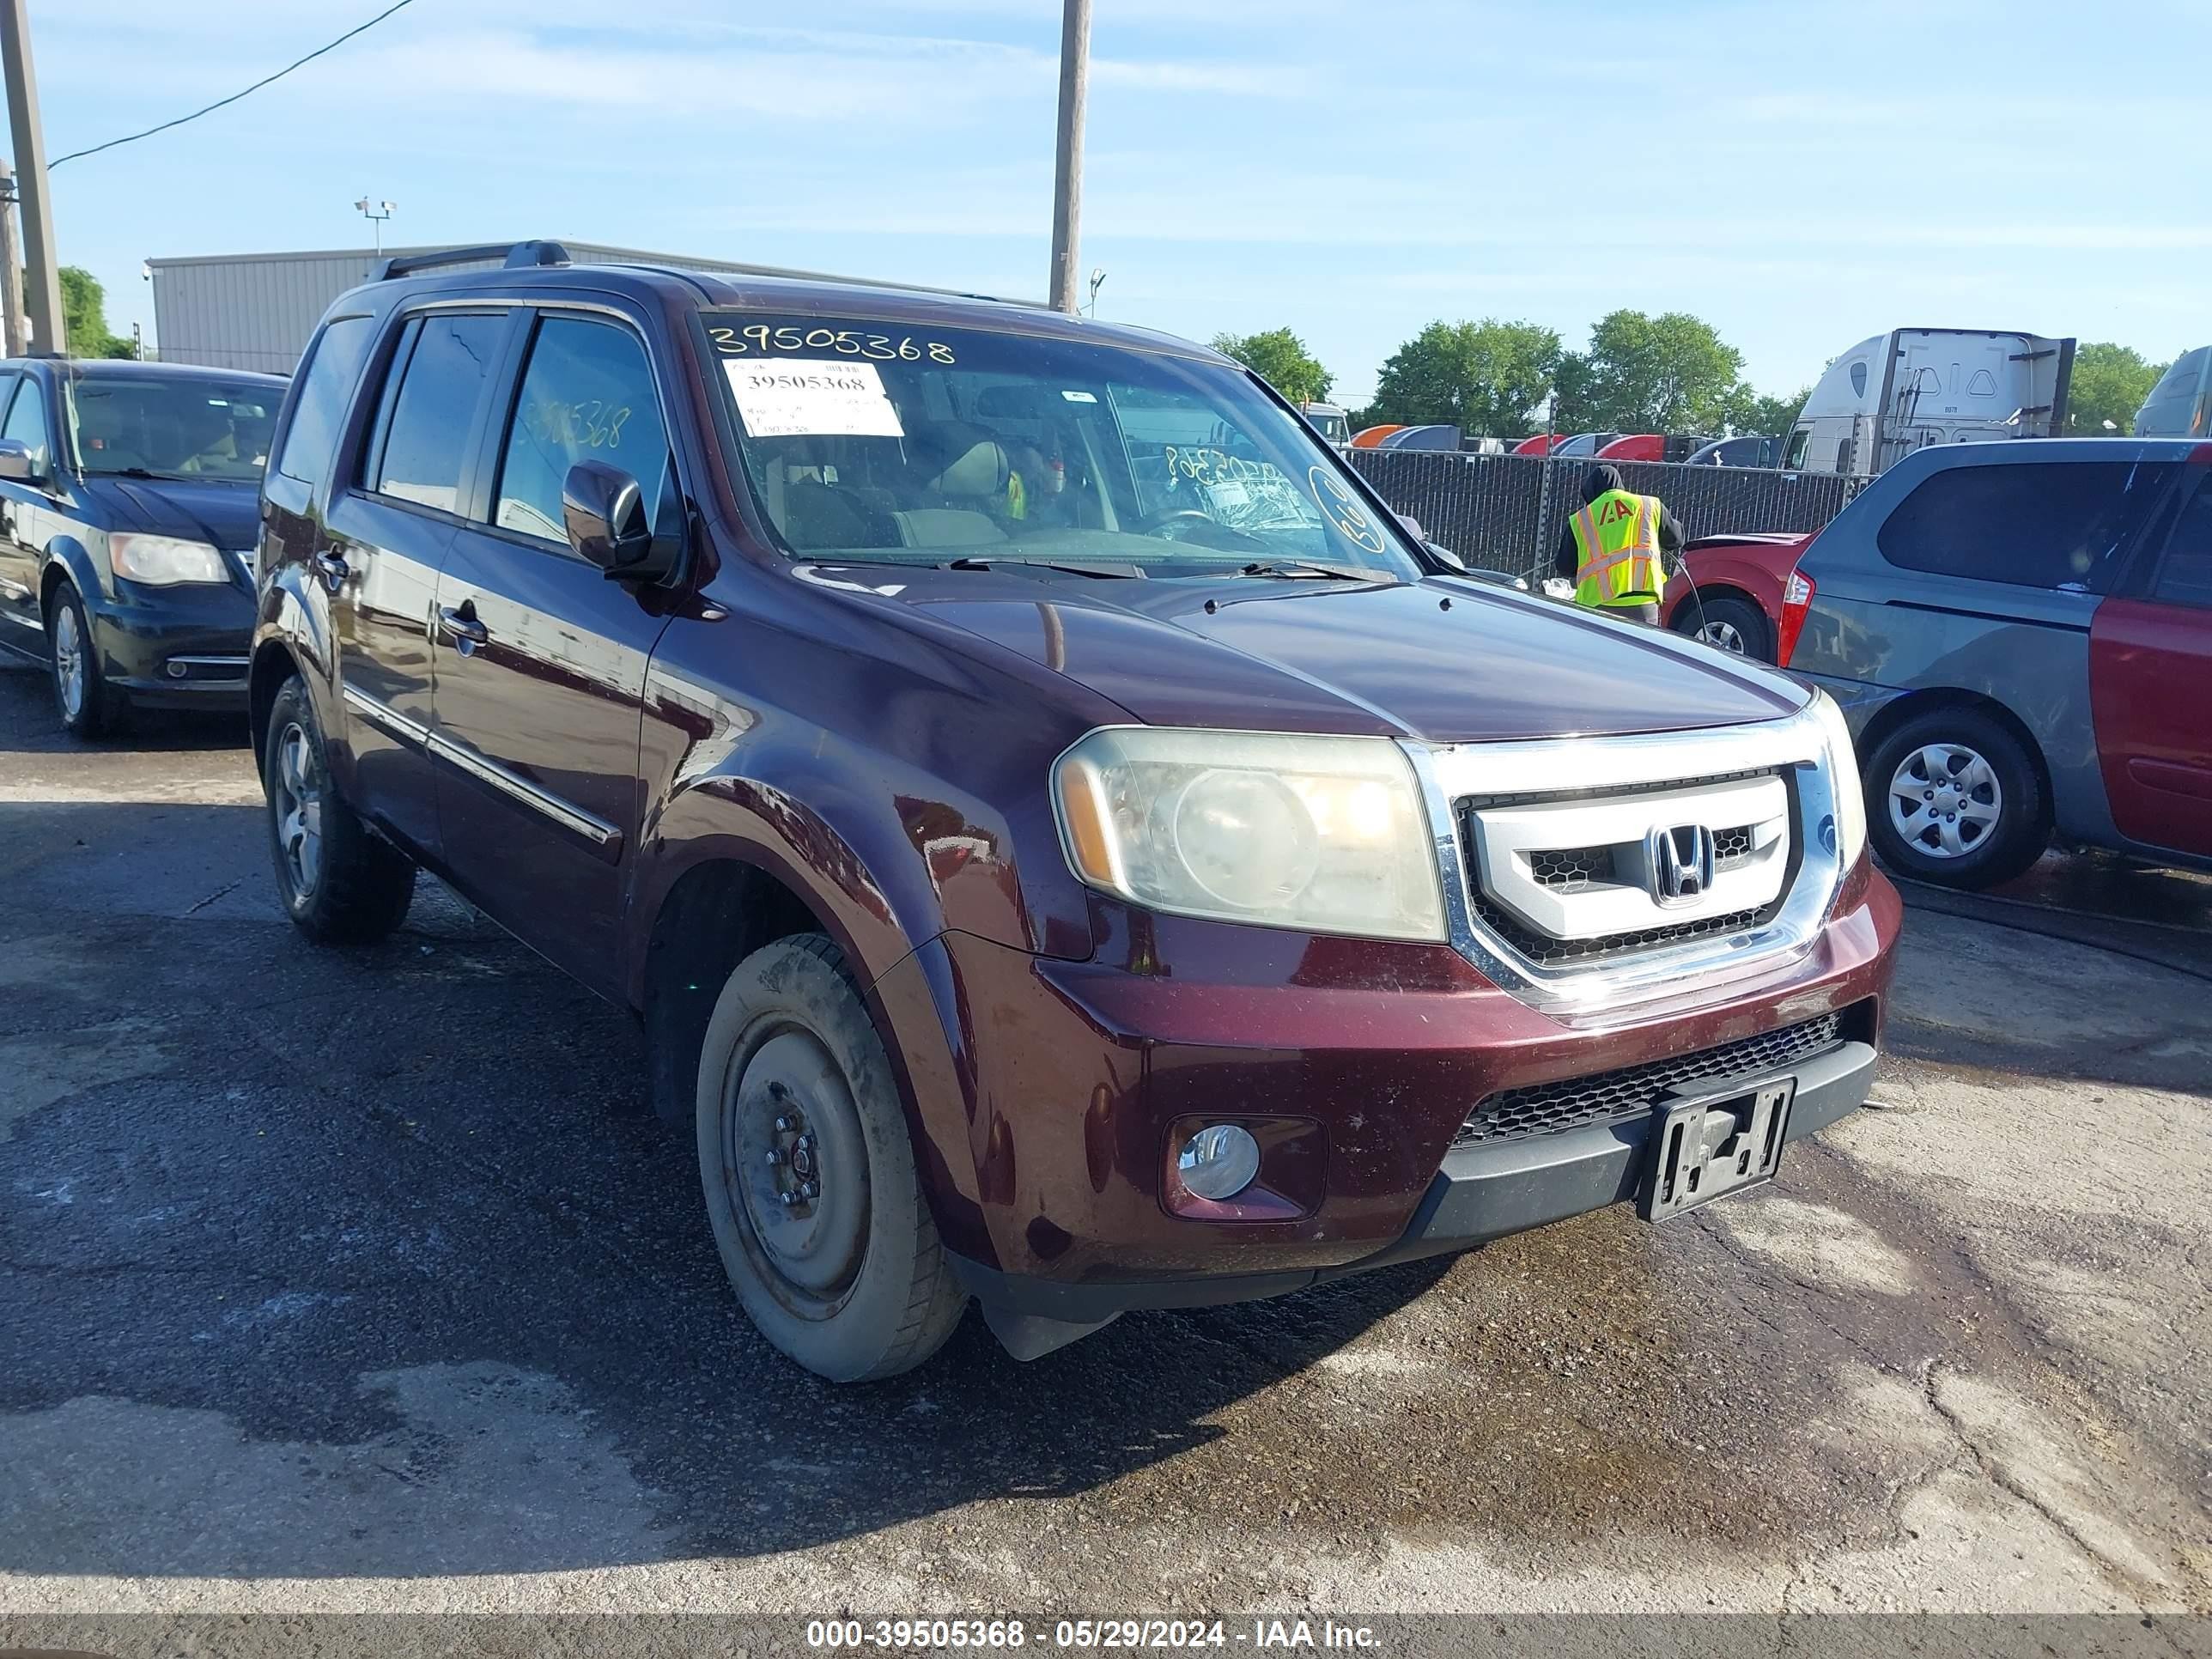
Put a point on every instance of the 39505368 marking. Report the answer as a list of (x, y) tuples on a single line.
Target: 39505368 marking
[(739, 342)]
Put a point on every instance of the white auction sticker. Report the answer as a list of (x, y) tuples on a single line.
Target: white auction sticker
[(800, 398)]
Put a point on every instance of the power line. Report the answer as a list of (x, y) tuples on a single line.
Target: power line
[(134, 137)]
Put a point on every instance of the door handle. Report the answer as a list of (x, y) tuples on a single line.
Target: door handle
[(333, 569), (461, 623)]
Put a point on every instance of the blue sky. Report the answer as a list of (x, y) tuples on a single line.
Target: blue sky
[(1801, 176)]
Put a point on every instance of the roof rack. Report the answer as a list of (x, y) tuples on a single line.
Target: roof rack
[(512, 255)]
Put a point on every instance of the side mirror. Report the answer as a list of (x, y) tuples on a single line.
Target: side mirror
[(17, 464), (1412, 526), (605, 512), (1445, 557)]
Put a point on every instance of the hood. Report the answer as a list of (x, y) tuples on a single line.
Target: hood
[(1600, 479), (1333, 657), (224, 511)]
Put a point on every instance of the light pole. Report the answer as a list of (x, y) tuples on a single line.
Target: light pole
[(1067, 170), (369, 211), (42, 298)]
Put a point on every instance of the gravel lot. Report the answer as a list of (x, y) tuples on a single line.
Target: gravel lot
[(334, 1281)]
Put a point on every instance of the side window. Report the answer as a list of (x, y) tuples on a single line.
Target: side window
[(2185, 576), (26, 423), (1793, 458), (441, 389), (2049, 524), (587, 396), (325, 391)]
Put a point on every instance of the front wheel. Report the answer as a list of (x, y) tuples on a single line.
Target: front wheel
[(1954, 799), (809, 1177), (89, 708), (339, 882)]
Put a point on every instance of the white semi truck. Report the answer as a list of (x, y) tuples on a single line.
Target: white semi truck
[(1910, 388)]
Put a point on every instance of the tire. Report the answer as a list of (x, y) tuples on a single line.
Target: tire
[(848, 1278), (89, 708), (1733, 625), (1954, 799), (340, 882)]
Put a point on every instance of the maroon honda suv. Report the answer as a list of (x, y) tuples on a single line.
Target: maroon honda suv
[(1070, 846)]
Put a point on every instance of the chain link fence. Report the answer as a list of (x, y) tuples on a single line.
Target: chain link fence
[(1506, 512)]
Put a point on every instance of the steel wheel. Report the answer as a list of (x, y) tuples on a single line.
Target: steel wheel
[(297, 805), (1945, 800), (71, 664), (795, 1167), (1723, 637)]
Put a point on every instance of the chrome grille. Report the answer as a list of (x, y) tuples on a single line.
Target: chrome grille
[(1631, 1090), (1552, 952)]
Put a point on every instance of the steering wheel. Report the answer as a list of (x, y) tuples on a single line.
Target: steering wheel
[(1152, 523)]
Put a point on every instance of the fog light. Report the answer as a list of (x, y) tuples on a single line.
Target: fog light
[(1219, 1162)]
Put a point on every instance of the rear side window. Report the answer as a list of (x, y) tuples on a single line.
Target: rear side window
[(587, 396), (2055, 524), (2171, 410), (441, 387), (26, 423), (325, 391), (2185, 576)]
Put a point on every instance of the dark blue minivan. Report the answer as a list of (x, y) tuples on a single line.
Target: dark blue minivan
[(129, 509)]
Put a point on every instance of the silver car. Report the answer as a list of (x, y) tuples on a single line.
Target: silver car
[(2021, 635)]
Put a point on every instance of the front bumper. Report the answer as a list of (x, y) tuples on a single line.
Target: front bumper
[(183, 646), (1480, 1193), (1046, 1095)]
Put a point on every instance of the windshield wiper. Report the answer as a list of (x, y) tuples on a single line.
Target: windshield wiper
[(1304, 570), (1072, 567), (144, 472)]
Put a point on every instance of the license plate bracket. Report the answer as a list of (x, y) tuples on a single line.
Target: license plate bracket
[(1710, 1144)]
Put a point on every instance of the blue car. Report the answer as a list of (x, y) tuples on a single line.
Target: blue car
[(129, 509)]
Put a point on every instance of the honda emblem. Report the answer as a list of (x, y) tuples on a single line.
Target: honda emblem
[(1681, 859)]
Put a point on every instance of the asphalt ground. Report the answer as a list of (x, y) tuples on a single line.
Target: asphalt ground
[(363, 1280)]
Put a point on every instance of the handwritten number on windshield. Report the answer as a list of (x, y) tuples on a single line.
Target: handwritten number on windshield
[(849, 342)]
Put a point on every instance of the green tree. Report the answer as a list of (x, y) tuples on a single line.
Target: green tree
[(1745, 412), (1279, 358), (1672, 373), (84, 317), (1489, 378), (2109, 384)]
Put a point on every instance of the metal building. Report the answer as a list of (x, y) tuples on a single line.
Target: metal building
[(259, 310)]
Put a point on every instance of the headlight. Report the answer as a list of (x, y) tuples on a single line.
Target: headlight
[(164, 560), (1842, 780), (1326, 834)]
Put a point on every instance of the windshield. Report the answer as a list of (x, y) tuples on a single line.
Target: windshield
[(173, 426), (917, 444)]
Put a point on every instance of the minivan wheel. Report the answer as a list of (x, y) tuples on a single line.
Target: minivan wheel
[(339, 882), (1736, 626), (808, 1173), (1954, 799), (81, 697)]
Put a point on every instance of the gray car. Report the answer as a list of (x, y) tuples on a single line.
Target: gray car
[(2021, 636)]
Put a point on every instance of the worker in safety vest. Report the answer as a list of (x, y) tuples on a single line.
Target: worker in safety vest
[(1613, 546)]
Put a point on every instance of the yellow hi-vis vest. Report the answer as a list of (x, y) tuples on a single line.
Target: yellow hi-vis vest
[(1616, 550)]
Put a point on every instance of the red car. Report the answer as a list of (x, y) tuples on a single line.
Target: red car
[(1744, 593), (1151, 882)]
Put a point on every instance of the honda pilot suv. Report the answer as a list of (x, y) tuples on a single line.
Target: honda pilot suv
[(1069, 846)]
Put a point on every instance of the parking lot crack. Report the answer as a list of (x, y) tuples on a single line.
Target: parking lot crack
[(227, 888), (1992, 1469)]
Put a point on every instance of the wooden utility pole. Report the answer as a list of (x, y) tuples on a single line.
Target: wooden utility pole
[(13, 339), (43, 283), (1067, 172)]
